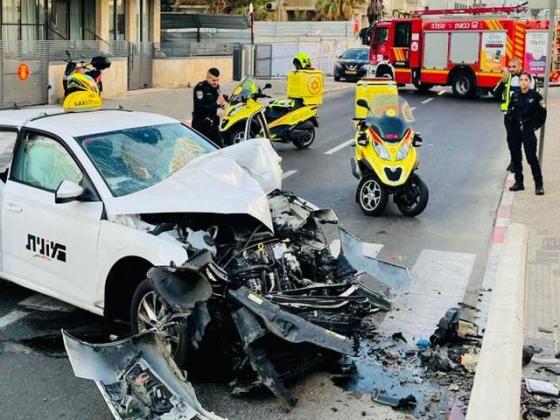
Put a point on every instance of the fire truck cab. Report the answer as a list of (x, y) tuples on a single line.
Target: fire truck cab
[(467, 52)]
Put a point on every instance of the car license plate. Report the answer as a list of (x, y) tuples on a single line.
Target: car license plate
[(351, 72)]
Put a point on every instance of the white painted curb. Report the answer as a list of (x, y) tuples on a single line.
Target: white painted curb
[(497, 383)]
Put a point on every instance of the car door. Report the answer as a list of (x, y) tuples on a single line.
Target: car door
[(48, 246), (8, 137)]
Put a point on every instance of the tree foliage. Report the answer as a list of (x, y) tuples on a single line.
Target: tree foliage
[(337, 9)]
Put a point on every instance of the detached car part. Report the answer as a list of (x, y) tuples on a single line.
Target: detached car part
[(277, 303)]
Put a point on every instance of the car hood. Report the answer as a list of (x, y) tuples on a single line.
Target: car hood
[(234, 180)]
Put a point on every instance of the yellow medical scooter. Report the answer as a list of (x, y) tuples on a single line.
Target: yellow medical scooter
[(385, 157), (292, 119)]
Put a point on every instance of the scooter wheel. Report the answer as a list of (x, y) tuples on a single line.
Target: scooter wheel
[(414, 198), (371, 196), (305, 141), (235, 137)]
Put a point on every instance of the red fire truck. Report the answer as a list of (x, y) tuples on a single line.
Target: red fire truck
[(465, 49)]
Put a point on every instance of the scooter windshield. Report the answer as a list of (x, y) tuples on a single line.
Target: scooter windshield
[(244, 90), (390, 117)]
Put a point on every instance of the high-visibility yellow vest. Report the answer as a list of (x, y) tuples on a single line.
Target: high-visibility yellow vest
[(505, 100)]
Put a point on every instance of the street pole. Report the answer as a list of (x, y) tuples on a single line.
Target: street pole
[(551, 30), (251, 15)]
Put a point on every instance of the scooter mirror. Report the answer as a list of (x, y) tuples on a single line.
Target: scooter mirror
[(267, 86), (226, 97), (363, 103), (417, 140)]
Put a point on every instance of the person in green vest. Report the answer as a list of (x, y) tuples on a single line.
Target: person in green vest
[(505, 90)]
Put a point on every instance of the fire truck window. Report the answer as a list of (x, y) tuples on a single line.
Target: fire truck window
[(402, 35), (381, 35)]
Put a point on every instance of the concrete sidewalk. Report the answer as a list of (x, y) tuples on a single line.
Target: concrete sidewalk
[(178, 103), (541, 215)]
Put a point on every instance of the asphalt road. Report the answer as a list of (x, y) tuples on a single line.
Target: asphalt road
[(463, 162)]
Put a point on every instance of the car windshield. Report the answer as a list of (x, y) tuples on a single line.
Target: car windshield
[(390, 116), (133, 159), (244, 90), (358, 55)]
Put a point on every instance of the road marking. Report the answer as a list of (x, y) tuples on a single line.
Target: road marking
[(439, 282), (11, 317), (339, 147), (370, 250), (413, 108), (441, 92), (289, 173), (427, 100)]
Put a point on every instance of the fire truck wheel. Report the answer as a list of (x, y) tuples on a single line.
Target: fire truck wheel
[(463, 84)]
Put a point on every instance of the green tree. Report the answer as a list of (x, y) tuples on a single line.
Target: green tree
[(337, 9)]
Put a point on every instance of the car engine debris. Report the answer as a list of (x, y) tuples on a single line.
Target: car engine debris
[(269, 306)]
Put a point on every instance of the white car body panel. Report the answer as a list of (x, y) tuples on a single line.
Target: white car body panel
[(235, 180)]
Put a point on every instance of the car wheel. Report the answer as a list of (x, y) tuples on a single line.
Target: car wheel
[(148, 312), (305, 141), (414, 199), (463, 85), (337, 78), (371, 196)]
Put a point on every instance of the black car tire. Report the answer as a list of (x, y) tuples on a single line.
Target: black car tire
[(463, 84), (337, 78), (180, 352), (422, 196)]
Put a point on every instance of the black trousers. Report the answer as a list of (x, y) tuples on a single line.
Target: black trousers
[(208, 128), (523, 136)]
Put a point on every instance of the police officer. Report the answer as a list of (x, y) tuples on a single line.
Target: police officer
[(207, 101), (506, 88), (524, 109)]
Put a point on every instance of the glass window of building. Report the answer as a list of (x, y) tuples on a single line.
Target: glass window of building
[(117, 19)]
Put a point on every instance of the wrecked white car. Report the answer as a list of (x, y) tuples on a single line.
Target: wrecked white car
[(135, 216)]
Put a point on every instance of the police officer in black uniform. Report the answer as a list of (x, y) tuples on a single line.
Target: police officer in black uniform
[(524, 112), (207, 100)]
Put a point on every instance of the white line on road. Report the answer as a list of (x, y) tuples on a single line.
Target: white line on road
[(439, 281), (11, 317), (339, 147), (413, 108), (441, 92), (289, 173), (427, 100)]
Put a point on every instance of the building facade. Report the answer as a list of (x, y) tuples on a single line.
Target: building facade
[(130, 20)]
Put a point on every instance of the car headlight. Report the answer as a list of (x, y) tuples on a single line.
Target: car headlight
[(403, 151), (382, 151)]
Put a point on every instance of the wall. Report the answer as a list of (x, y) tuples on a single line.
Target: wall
[(115, 80), (180, 72)]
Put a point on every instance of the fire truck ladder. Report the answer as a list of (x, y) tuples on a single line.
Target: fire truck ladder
[(507, 10)]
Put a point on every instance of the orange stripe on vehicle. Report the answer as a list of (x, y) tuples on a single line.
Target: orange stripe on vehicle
[(436, 71), (489, 24), (400, 70), (498, 25)]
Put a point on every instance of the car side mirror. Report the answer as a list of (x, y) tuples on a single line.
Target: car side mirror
[(417, 140), (363, 103), (67, 192), (267, 86)]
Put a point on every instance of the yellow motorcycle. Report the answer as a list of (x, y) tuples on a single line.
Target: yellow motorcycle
[(385, 159), (287, 119)]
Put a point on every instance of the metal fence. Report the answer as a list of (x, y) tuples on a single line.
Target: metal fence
[(36, 56), (188, 49), (275, 59)]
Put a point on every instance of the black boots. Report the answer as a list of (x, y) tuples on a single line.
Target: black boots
[(539, 190), (517, 187)]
